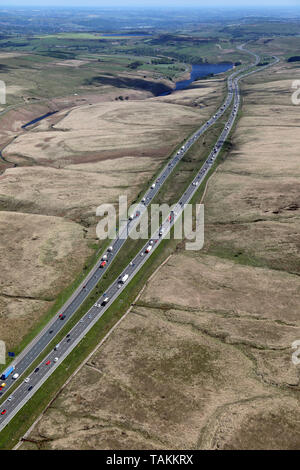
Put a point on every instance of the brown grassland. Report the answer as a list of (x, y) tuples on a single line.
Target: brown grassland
[(203, 360)]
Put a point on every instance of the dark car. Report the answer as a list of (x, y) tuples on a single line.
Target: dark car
[(30, 388), (37, 369), (51, 331)]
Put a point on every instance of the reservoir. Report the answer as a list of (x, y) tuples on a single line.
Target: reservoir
[(201, 71)]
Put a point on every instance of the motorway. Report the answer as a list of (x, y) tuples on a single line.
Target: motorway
[(25, 390), (42, 340)]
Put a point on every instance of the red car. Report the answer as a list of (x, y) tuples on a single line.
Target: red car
[(1, 388), (60, 315), (3, 412), (103, 264), (47, 363)]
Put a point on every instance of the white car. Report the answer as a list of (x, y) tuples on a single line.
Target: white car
[(55, 359), (9, 399), (27, 380)]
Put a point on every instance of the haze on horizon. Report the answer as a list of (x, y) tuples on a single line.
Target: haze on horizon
[(199, 4)]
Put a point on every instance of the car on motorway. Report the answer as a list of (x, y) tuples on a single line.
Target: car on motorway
[(48, 363), (103, 264), (27, 380), (30, 388), (15, 376), (68, 335), (51, 331), (3, 412), (37, 369), (55, 359), (3, 384), (62, 317), (9, 398), (105, 300)]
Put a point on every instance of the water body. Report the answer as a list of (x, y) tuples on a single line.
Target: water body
[(198, 71), (201, 71), (40, 118)]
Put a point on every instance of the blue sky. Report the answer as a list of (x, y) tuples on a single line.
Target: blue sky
[(156, 3)]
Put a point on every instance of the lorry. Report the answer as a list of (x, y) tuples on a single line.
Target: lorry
[(124, 278), (7, 372)]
